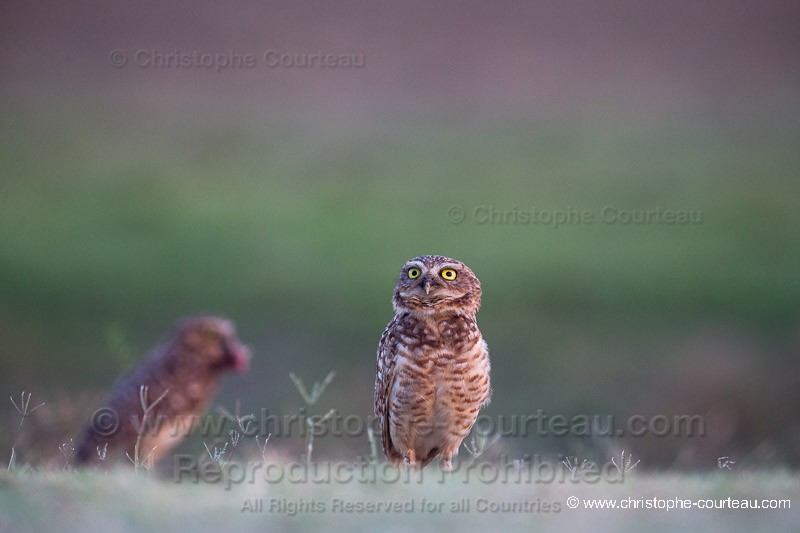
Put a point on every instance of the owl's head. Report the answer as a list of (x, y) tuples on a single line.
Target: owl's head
[(211, 343), (433, 284)]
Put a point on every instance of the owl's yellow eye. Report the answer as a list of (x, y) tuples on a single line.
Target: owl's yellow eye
[(448, 273), (414, 273)]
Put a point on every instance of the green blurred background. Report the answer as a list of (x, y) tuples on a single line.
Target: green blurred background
[(288, 198)]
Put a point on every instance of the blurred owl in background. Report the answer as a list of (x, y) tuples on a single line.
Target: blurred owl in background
[(181, 377), (433, 364)]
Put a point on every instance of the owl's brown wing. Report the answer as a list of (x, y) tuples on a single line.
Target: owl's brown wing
[(384, 379)]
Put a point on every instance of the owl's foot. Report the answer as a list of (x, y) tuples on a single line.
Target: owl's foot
[(446, 464), (410, 459)]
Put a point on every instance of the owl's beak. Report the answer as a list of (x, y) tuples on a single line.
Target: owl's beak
[(426, 285), (238, 357)]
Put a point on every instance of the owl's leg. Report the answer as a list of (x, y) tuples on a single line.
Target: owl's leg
[(449, 450), (403, 437), (446, 463), (410, 458)]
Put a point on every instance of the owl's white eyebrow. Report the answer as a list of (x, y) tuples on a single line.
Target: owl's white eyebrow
[(415, 264), (449, 265)]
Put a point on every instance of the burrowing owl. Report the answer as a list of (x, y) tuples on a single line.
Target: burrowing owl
[(187, 366), (433, 364)]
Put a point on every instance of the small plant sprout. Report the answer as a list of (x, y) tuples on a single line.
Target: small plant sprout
[(147, 408), (725, 463), (313, 427), (24, 409), (263, 448), (218, 455), (624, 465), (373, 447), (478, 446), (577, 468), (314, 424), (244, 424), (67, 450), (235, 438), (316, 390), (520, 464), (101, 455)]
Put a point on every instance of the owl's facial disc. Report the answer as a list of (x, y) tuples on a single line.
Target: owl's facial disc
[(215, 343), (424, 283), (429, 285)]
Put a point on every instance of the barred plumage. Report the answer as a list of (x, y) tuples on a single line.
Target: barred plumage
[(433, 365), (186, 369)]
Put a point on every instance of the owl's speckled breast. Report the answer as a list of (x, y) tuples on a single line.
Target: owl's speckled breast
[(458, 332), (433, 368)]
